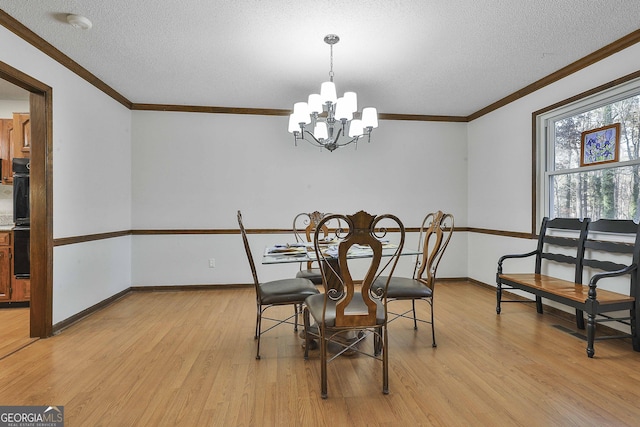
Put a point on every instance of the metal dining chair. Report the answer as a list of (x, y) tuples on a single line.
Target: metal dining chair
[(435, 234), (275, 293), (347, 305), (304, 226)]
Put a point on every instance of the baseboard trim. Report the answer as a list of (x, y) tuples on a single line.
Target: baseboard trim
[(88, 311), (175, 288)]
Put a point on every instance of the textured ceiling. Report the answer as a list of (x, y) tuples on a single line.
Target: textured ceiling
[(432, 57)]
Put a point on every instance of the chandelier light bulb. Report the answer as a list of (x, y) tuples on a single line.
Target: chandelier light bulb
[(342, 110), (328, 92), (351, 101), (315, 103), (356, 128), (301, 112), (370, 117), (294, 126)]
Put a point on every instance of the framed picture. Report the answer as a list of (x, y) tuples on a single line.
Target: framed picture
[(600, 145)]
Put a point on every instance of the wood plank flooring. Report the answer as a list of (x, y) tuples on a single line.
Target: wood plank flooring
[(188, 358), (14, 330)]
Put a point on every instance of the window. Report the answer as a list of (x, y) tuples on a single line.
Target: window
[(598, 190)]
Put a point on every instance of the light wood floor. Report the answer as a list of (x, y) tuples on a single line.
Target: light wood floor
[(187, 358), (14, 330)]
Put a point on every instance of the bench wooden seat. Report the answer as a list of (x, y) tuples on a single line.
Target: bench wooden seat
[(586, 246), (564, 288)]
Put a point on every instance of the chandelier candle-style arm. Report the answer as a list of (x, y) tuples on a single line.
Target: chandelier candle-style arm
[(327, 121)]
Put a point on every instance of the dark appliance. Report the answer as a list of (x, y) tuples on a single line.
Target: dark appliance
[(21, 191), (21, 231), (21, 257)]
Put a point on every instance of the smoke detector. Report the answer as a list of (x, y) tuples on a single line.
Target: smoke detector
[(79, 21)]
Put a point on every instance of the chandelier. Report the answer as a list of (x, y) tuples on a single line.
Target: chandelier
[(327, 121)]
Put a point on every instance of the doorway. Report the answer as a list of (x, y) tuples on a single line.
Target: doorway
[(41, 190), (14, 198)]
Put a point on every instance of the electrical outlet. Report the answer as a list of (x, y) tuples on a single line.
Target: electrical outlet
[(212, 263)]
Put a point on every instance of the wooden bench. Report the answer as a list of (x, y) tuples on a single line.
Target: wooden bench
[(586, 246)]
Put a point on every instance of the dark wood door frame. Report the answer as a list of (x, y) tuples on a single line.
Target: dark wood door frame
[(41, 191)]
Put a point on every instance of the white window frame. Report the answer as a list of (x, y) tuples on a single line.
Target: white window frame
[(545, 138)]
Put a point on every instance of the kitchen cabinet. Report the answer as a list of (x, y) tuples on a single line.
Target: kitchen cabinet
[(6, 134), (15, 141), (12, 289), (5, 266), (20, 290), (21, 137)]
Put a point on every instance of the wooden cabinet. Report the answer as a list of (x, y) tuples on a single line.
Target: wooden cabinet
[(5, 266), (6, 135), (12, 289), (21, 136), (20, 290), (15, 141)]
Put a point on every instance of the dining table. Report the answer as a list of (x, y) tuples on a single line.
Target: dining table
[(304, 252), (284, 253), (298, 252)]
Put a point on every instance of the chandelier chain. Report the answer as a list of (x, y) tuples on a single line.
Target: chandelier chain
[(331, 70)]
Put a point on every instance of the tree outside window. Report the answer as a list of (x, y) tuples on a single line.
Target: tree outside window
[(610, 190)]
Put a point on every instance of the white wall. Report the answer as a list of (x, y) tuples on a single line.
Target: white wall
[(194, 170), (500, 150), (88, 273), (8, 107), (91, 181)]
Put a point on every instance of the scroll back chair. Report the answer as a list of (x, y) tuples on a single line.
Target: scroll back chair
[(275, 293), (435, 234), (305, 235), (346, 307)]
